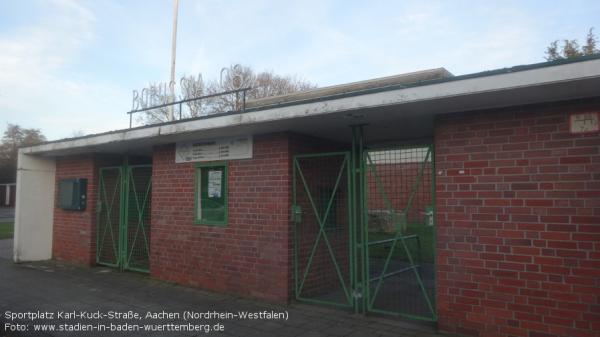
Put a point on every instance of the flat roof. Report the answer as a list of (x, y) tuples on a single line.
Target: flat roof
[(412, 78), (540, 82)]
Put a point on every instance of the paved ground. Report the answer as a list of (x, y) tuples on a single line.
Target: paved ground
[(6, 247), (7, 214), (55, 287)]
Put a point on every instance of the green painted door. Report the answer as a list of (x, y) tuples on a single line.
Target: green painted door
[(123, 226), (323, 235)]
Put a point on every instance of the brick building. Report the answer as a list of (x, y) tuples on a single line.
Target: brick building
[(470, 201)]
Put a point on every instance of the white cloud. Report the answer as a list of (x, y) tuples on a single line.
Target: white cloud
[(74, 67), (34, 88)]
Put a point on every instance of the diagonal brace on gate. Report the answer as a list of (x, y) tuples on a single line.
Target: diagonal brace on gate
[(140, 212), (322, 232), (399, 235), (109, 208)]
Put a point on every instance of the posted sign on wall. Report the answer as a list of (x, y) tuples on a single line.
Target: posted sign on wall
[(584, 122), (214, 149)]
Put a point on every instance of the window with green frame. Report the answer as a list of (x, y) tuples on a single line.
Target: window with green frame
[(211, 194)]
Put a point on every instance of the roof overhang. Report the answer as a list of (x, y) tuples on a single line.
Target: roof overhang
[(390, 112)]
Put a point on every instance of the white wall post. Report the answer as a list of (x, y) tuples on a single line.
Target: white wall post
[(34, 209), (7, 200)]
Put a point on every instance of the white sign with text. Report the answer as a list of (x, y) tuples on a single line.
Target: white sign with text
[(214, 149)]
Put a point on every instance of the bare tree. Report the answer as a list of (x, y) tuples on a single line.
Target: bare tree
[(591, 42), (571, 48), (261, 85), (157, 94), (234, 77), (154, 94), (267, 84), (192, 87), (552, 52)]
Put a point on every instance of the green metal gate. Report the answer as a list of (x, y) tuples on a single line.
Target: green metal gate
[(364, 231), (108, 234), (398, 217), (123, 226), (324, 258)]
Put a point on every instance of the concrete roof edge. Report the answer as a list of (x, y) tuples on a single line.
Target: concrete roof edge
[(375, 83), (155, 129)]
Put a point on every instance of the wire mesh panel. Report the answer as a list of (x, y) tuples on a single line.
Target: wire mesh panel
[(123, 230), (323, 241), (398, 186), (109, 216), (137, 223)]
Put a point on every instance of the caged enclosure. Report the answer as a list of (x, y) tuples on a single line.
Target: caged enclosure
[(400, 231), (364, 230)]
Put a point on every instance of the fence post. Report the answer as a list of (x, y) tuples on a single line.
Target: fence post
[(244, 100)]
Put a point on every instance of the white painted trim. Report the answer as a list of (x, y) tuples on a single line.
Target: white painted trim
[(465, 87)]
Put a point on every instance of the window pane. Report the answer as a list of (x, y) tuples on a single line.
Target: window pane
[(212, 199)]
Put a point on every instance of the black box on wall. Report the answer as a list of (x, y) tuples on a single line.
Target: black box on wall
[(72, 194)]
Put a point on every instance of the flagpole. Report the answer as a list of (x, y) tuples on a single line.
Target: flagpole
[(173, 56)]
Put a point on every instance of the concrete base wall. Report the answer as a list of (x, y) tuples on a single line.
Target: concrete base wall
[(34, 208)]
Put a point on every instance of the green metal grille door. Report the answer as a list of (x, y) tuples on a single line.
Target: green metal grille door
[(109, 216), (124, 203), (323, 265), (398, 209), (137, 221)]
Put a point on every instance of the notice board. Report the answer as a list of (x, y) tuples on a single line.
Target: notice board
[(214, 149)]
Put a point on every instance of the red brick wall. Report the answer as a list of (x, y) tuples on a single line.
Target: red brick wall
[(251, 256), (74, 232), (519, 231)]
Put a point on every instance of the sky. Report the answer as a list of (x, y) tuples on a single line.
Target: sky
[(68, 67)]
